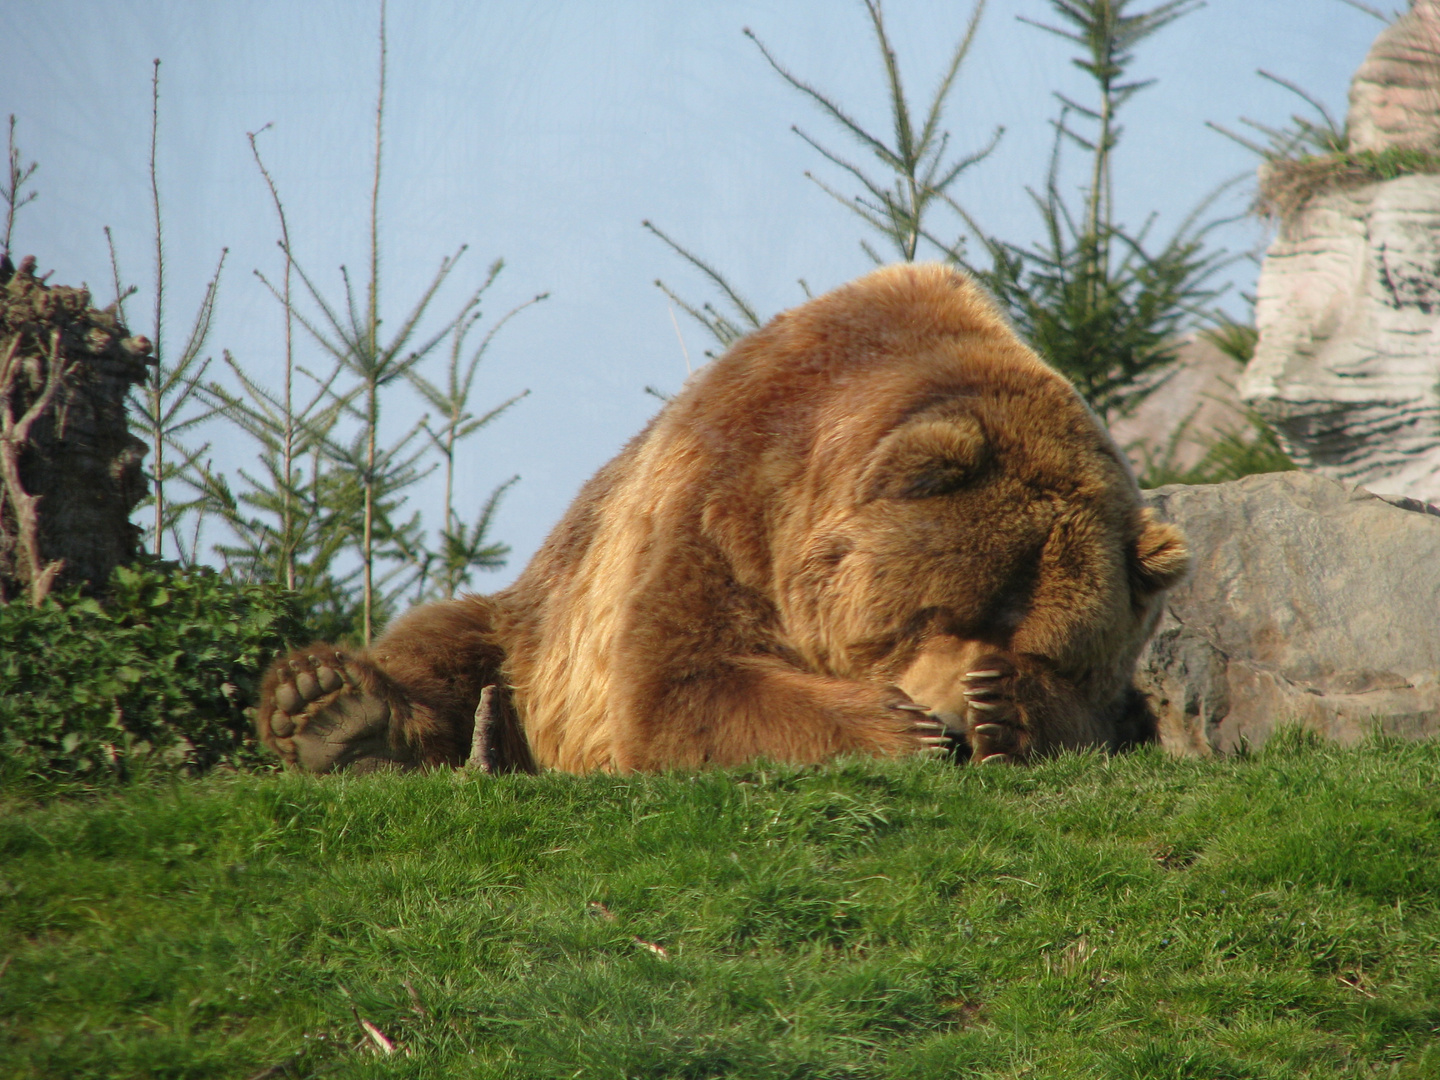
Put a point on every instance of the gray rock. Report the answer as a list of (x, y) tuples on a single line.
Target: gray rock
[(1311, 602)]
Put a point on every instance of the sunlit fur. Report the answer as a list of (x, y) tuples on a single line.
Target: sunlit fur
[(875, 490)]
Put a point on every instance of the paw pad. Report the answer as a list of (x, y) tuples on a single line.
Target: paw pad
[(324, 719)]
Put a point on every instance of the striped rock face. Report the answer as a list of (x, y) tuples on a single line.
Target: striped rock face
[(1395, 95), (1347, 368)]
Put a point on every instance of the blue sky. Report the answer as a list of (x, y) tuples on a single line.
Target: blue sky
[(545, 131)]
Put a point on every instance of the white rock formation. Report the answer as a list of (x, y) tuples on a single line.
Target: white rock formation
[(1348, 364), (1393, 97)]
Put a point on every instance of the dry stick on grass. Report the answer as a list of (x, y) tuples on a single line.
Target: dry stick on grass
[(480, 740), (382, 1044), (416, 1005), (38, 576)]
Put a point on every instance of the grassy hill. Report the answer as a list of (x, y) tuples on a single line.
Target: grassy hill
[(1276, 915)]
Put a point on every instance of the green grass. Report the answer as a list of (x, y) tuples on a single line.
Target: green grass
[(1138, 917), (1287, 183)]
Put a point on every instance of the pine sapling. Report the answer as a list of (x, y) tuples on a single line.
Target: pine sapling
[(463, 547), (165, 405), (12, 190)]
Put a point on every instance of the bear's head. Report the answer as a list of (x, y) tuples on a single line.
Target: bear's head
[(913, 488)]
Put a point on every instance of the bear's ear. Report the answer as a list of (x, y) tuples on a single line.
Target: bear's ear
[(1161, 557), (925, 458)]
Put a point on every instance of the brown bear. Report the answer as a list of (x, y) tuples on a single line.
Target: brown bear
[(878, 525)]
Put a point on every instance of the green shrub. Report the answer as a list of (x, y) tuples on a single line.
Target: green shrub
[(155, 677)]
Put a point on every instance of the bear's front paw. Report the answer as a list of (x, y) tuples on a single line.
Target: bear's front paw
[(928, 732), (323, 710), (993, 721)]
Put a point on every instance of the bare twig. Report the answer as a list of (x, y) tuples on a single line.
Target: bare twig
[(416, 1005), (158, 440), (122, 292), (1368, 10), (37, 575), (287, 411)]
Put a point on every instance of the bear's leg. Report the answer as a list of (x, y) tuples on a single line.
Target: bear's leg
[(758, 707), (406, 702)]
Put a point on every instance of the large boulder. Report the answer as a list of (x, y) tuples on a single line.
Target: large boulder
[(1348, 301), (1311, 602)]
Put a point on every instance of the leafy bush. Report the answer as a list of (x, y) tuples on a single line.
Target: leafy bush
[(156, 676)]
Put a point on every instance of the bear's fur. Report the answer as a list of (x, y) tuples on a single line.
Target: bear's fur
[(881, 498)]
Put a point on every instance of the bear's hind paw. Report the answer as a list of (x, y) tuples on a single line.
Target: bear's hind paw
[(306, 685), (322, 715)]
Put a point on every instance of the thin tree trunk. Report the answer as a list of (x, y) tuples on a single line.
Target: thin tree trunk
[(157, 462), (373, 345)]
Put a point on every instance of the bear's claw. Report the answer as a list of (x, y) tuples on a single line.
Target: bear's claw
[(929, 732), (994, 722)]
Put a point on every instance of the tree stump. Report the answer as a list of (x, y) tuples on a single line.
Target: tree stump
[(70, 472)]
